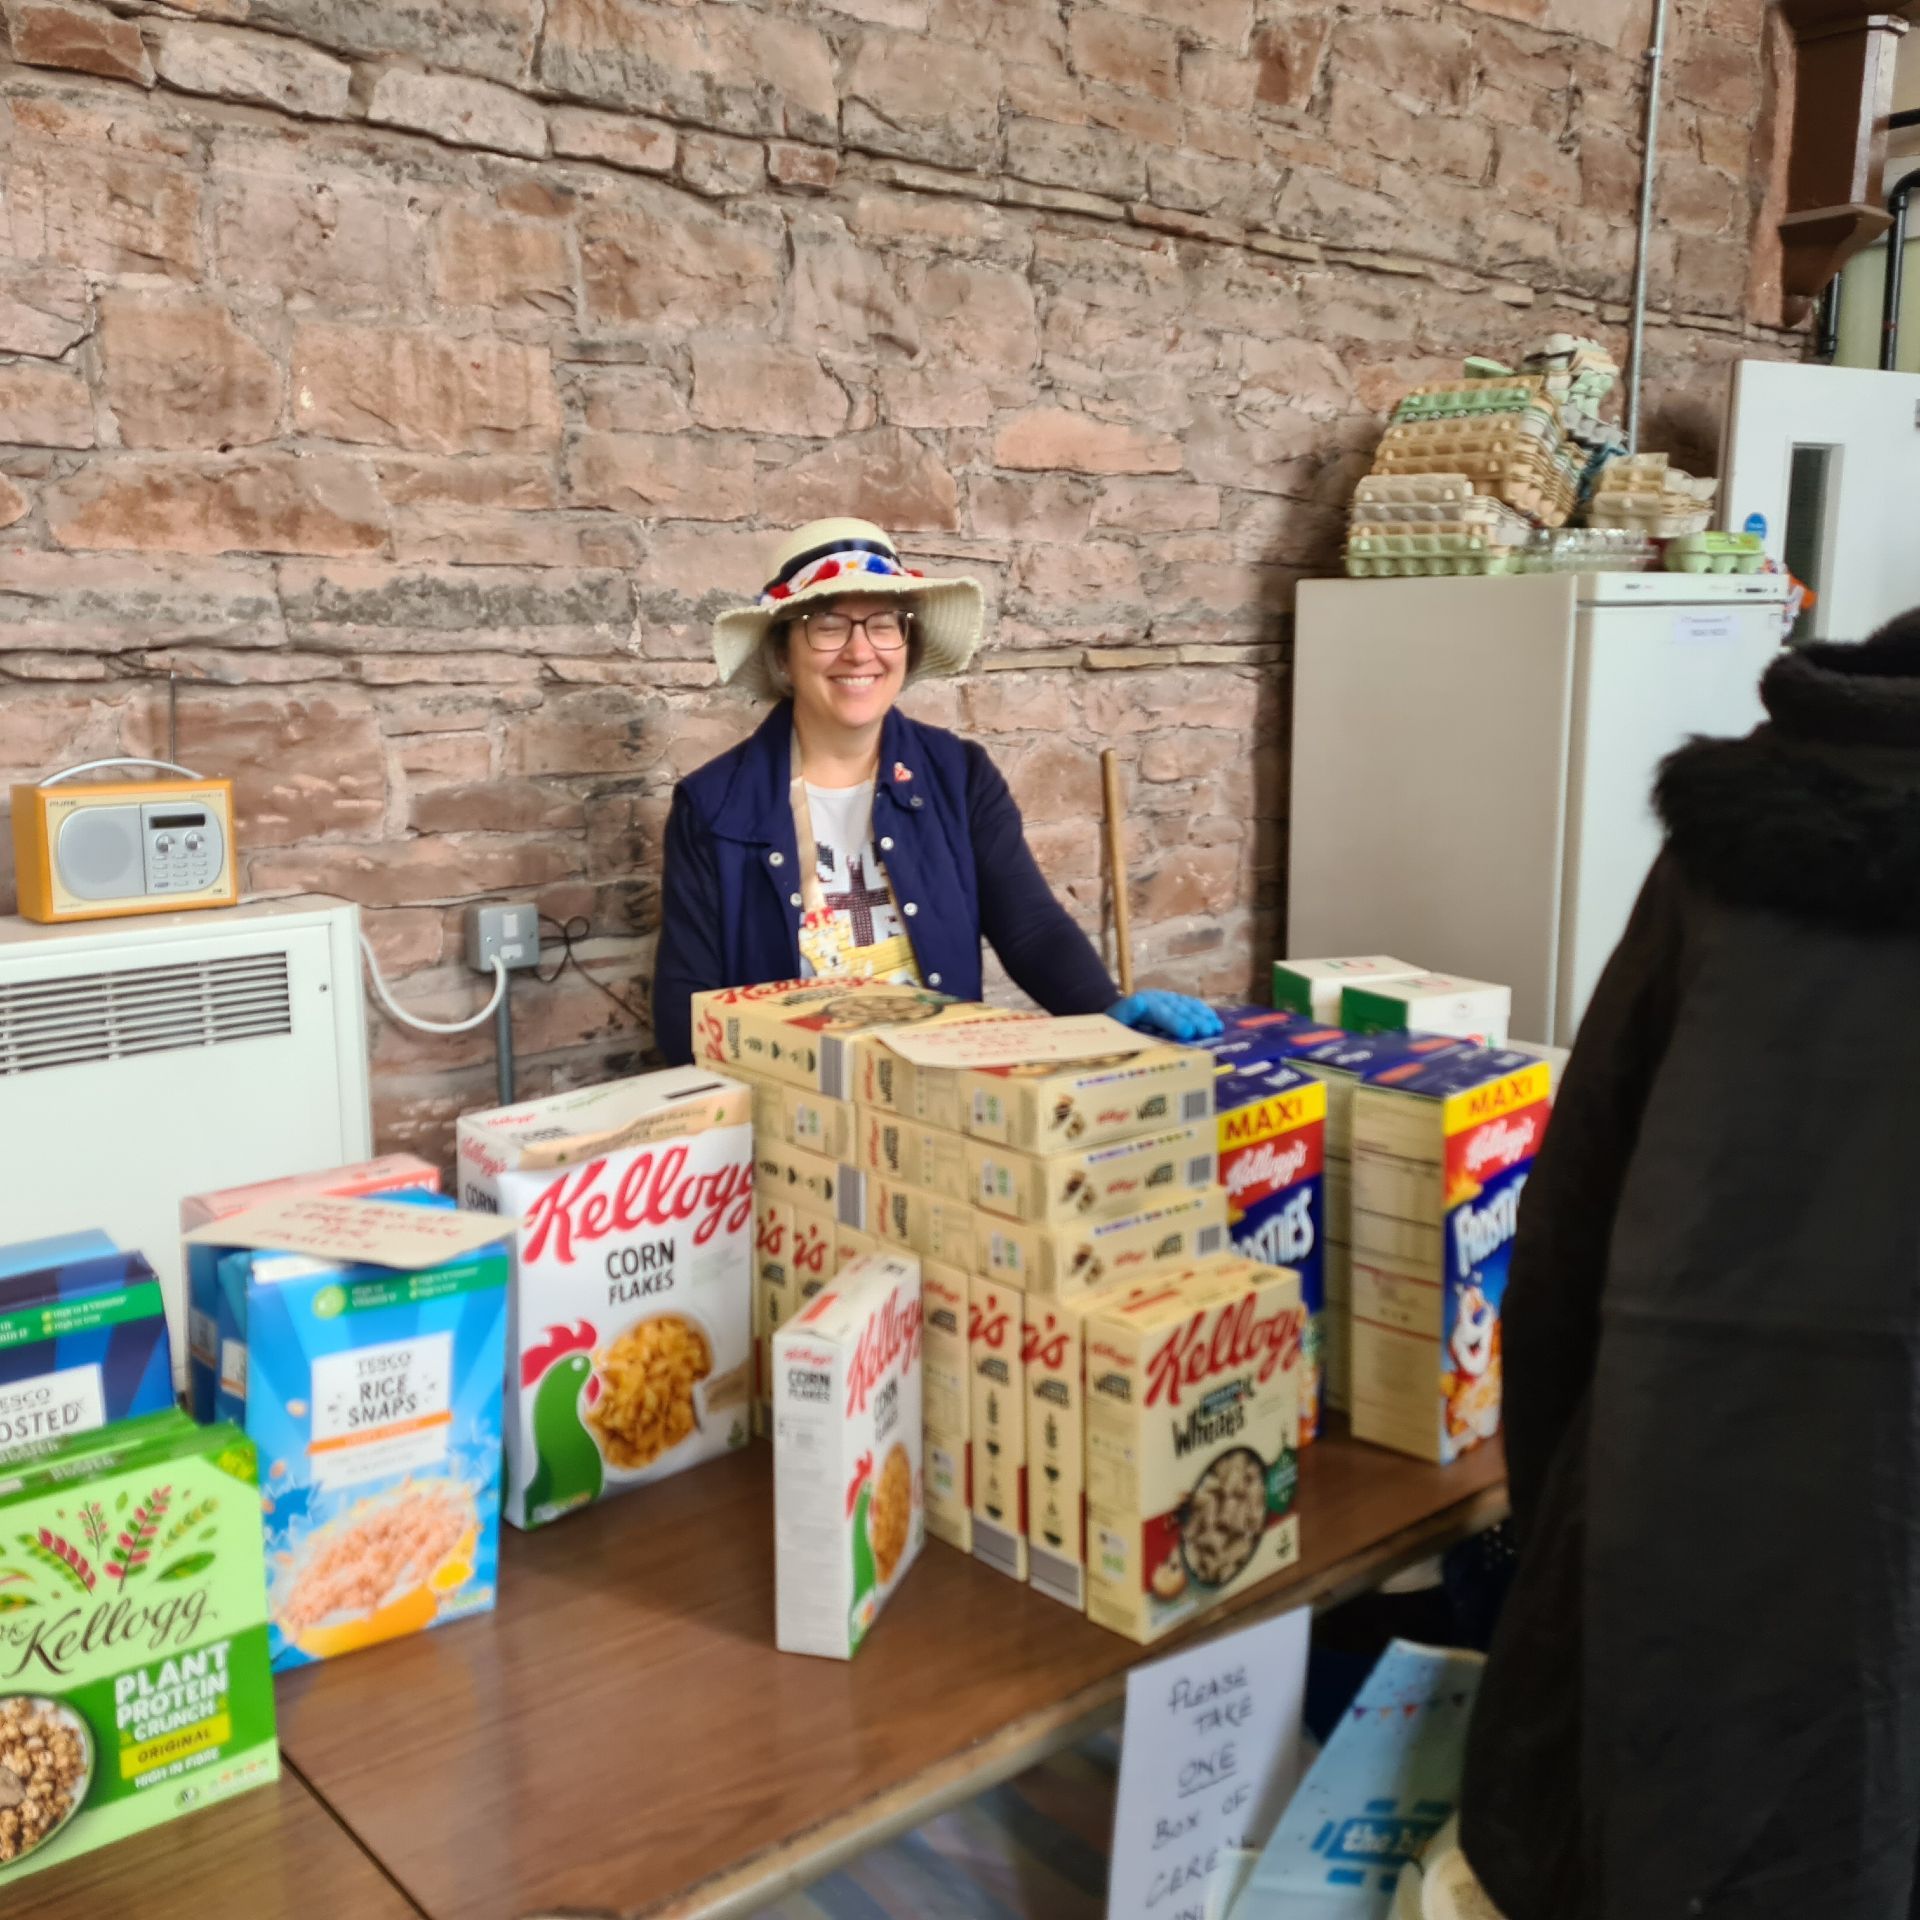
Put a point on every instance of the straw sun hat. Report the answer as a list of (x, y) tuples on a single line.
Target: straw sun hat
[(827, 559)]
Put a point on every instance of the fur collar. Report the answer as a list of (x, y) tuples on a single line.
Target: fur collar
[(1817, 813)]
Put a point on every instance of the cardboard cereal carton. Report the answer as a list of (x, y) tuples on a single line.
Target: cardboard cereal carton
[(1314, 987), (375, 1347), (887, 1082), (934, 1227), (134, 1681), (946, 1401), (814, 1122), (1069, 1258), (911, 1153), (1272, 1127), (1441, 1160), (848, 1490), (630, 1335), (1098, 1183), (1193, 1418), (1066, 1107), (997, 1431)]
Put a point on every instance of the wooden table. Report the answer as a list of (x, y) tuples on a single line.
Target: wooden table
[(268, 1856), (622, 1738)]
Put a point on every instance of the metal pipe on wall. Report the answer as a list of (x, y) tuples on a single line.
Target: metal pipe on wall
[(1643, 256), (1897, 202)]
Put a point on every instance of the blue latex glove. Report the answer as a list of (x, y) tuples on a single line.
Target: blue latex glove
[(1172, 1016)]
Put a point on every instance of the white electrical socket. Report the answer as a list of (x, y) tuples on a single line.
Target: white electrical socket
[(510, 934)]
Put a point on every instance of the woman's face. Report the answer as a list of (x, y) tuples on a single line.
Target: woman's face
[(855, 685)]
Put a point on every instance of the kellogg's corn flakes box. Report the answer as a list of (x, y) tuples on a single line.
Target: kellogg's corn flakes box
[(849, 1497), (1441, 1159)]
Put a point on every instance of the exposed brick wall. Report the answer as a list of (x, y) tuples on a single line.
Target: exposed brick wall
[(416, 377)]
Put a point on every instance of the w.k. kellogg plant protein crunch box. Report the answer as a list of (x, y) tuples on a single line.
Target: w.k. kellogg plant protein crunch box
[(1193, 1419), (134, 1683), (848, 1498), (630, 1331), (1440, 1161)]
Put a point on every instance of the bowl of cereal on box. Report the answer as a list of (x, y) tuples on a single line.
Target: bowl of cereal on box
[(46, 1767), (1224, 1517)]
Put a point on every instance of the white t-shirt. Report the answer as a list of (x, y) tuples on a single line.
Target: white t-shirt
[(852, 880)]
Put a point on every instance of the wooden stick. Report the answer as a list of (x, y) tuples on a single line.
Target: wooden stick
[(1117, 867)]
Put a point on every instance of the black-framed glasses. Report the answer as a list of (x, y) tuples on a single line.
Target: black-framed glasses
[(886, 631)]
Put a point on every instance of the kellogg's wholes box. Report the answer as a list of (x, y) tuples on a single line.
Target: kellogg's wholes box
[(1053, 1106), (391, 1173), (812, 1034), (1272, 1128), (1441, 1161), (1070, 1258), (848, 1491), (888, 1083), (934, 1227), (1193, 1416), (816, 1123), (1440, 1003), (1314, 987), (946, 1401), (996, 1360), (1099, 1183), (913, 1154), (630, 1351)]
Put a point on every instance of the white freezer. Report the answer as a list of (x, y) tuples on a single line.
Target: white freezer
[(1473, 763)]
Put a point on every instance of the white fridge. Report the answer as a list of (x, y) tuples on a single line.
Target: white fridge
[(1473, 763)]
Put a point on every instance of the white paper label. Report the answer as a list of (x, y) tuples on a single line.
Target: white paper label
[(1017, 1043), (382, 1410), (1210, 1757), (1721, 628), (51, 1406), (233, 1369)]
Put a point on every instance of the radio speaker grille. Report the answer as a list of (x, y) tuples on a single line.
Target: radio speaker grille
[(113, 1015)]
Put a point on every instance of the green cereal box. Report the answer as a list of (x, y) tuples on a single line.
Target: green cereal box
[(134, 1683)]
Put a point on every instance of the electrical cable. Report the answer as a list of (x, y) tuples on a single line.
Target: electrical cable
[(570, 959), (387, 1000)]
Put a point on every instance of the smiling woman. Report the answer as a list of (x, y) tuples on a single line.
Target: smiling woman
[(845, 840)]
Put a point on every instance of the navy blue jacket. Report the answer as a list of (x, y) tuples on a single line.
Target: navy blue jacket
[(955, 852)]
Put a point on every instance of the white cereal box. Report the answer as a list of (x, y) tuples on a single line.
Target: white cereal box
[(1070, 1258), (848, 1487), (1193, 1424), (997, 1430), (1433, 1003), (1314, 987), (629, 1328), (1096, 1183)]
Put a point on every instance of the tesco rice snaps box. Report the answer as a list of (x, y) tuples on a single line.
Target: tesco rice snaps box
[(1441, 1161), (375, 1350), (134, 1679), (1193, 1420), (849, 1497), (83, 1342), (630, 1333), (1272, 1126)]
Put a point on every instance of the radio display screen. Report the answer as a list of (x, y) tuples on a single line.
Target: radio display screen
[(177, 820)]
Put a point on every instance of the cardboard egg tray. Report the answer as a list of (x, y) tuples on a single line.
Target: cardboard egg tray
[(1716, 553), (1492, 520), (1397, 566), (1656, 525), (1535, 487), (1431, 542), (1489, 434), (1427, 489)]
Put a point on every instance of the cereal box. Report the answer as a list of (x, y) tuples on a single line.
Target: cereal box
[(82, 1342), (134, 1680), (913, 1154), (946, 1401), (1253, 1037), (848, 1491), (1052, 1107), (1070, 1258), (1098, 1183), (1441, 1160), (1430, 1003), (375, 1351), (1272, 1127), (816, 1250), (1314, 987), (1193, 1417), (935, 1228), (812, 1034), (56, 1249), (816, 1123), (997, 1431), (630, 1354), (949, 1464), (391, 1173), (828, 1186)]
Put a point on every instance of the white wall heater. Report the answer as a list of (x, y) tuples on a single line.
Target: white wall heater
[(143, 1059)]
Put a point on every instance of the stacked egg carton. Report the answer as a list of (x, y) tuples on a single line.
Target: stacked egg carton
[(1717, 553), (1426, 523), (1504, 433), (1645, 493), (1582, 375)]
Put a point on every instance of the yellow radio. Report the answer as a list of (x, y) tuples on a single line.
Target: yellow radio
[(108, 847)]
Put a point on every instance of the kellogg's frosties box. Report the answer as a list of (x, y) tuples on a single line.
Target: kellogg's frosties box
[(1272, 1125), (1440, 1162)]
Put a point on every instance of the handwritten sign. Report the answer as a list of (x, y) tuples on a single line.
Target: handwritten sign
[(379, 1233), (1017, 1043), (1210, 1758)]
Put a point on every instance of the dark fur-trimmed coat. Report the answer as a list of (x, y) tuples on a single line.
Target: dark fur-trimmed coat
[(1704, 1697)]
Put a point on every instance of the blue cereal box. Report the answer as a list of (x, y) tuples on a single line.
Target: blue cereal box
[(1272, 1126), (1441, 1157), (1255, 1037), (29, 1256), (82, 1342), (375, 1356)]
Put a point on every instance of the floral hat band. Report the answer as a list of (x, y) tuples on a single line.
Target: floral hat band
[(814, 568)]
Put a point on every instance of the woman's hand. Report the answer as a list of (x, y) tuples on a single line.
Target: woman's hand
[(1172, 1016)]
